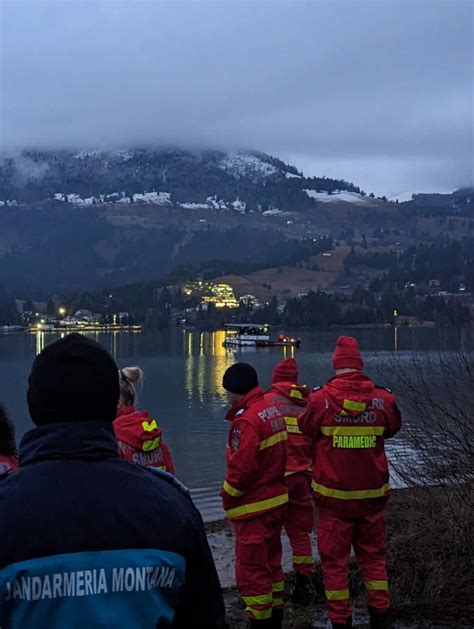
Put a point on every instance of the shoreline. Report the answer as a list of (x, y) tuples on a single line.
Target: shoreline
[(408, 616)]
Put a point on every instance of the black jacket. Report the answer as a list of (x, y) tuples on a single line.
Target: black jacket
[(89, 540)]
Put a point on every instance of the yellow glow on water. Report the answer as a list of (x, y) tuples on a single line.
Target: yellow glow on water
[(39, 341), (205, 367)]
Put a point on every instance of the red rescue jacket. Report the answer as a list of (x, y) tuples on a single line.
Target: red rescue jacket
[(291, 400), (140, 440), (256, 458), (349, 417), (8, 463)]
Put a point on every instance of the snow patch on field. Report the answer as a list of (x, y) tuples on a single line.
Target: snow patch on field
[(161, 198), (216, 204), (239, 206), (194, 206), (157, 198), (244, 165), (292, 176), (337, 197)]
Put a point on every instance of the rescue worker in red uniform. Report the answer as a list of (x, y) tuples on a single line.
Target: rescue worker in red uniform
[(349, 418), (255, 495), (291, 398), (139, 437)]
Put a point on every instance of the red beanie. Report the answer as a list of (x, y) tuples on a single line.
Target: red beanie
[(286, 371), (347, 354)]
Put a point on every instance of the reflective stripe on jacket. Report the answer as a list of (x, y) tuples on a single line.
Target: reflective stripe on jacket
[(291, 400), (256, 458), (349, 418), (140, 440)]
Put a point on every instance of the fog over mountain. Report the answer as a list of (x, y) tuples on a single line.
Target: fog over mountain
[(376, 93)]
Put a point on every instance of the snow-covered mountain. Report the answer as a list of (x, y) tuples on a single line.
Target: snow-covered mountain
[(241, 180)]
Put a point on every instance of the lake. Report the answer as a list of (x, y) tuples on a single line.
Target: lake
[(183, 375)]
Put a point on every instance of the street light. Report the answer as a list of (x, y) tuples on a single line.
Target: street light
[(62, 311)]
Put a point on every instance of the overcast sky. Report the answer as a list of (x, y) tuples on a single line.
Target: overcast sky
[(379, 92)]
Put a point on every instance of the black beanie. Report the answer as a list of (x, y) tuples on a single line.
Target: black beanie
[(73, 379), (240, 378)]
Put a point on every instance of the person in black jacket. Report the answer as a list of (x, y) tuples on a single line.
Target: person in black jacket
[(87, 539)]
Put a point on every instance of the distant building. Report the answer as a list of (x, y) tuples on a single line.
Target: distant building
[(250, 301), (220, 295)]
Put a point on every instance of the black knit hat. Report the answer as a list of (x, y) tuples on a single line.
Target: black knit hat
[(73, 379), (240, 378)]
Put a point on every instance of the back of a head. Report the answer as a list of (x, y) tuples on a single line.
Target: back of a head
[(73, 379), (286, 371), (131, 381), (240, 379)]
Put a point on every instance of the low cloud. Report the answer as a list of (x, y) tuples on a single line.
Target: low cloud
[(382, 91)]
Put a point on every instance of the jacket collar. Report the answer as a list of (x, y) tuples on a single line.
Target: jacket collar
[(86, 441), (250, 398), (125, 410)]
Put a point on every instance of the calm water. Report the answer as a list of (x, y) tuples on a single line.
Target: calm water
[(183, 375)]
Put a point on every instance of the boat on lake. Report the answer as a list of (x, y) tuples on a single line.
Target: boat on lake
[(255, 335)]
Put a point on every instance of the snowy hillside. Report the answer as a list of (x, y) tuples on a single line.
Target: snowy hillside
[(337, 197), (246, 165), (191, 179)]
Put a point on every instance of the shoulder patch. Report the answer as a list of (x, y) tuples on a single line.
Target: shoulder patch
[(171, 479), (379, 386), (241, 412)]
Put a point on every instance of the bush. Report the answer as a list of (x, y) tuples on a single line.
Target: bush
[(430, 524)]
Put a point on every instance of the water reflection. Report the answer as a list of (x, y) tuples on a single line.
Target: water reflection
[(206, 360), (39, 341)]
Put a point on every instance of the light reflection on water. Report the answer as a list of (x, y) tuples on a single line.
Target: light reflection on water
[(183, 376)]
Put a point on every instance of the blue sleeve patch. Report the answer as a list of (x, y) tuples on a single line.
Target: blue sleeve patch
[(115, 588)]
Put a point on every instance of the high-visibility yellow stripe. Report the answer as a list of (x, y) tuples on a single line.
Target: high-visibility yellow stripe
[(294, 430), (292, 425), (359, 494), (337, 595), (273, 440), (296, 394), (278, 602), (259, 614), (254, 507), (150, 444), (353, 430), (279, 586), (302, 559), (232, 491), (352, 405), (376, 585), (149, 426), (263, 599)]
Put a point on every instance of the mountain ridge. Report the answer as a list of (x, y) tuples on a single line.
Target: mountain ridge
[(252, 179)]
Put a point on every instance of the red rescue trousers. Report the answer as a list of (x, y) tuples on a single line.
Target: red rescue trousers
[(367, 536), (298, 522), (258, 571)]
